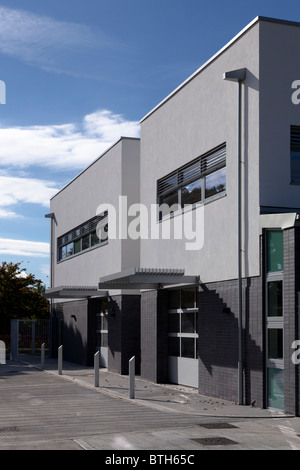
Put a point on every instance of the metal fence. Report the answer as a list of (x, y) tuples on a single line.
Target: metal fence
[(27, 337)]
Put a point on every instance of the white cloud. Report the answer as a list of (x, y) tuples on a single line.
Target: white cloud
[(23, 248), (64, 146), (42, 40), (15, 190)]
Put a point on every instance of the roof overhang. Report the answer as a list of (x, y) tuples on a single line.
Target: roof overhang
[(74, 292), (146, 278), (278, 220)]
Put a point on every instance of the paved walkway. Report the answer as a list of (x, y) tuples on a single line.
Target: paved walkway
[(44, 410)]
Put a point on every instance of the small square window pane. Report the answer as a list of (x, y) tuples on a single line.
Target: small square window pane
[(188, 323)]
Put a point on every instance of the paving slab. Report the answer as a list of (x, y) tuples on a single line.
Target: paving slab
[(42, 410)]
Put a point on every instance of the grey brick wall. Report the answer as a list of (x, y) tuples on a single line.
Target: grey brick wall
[(79, 331), (291, 285), (154, 336), (218, 340), (123, 332)]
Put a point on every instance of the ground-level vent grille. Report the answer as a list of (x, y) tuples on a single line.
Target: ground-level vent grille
[(217, 426), (9, 429), (214, 441)]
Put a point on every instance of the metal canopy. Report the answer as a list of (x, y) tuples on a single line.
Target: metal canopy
[(74, 292), (146, 278)]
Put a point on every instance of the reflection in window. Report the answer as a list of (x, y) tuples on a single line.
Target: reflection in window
[(191, 193), (169, 204), (274, 250), (188, 322), (77, 246), (215, 182), (85, 242), (94, 239)]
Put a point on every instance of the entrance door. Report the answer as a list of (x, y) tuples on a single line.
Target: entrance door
[(183, 337), (102, 334), (274, 319)]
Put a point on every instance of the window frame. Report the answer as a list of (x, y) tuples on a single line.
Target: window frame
[(78, 234), (196, 170)]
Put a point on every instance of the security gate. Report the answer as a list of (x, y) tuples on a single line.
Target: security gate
[(27, 336)]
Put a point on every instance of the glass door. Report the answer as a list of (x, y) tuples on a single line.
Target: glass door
[(274, 320)]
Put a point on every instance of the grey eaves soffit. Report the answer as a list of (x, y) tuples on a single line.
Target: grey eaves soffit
[(74, 292), (146, 278)]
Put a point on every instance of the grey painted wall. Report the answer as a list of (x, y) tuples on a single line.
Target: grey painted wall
[(114, 174), (279, 67), (197, 118)]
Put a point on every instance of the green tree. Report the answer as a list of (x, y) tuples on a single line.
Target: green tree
[(21, 294)]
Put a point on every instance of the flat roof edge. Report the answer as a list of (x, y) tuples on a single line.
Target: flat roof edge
[(215, 56)]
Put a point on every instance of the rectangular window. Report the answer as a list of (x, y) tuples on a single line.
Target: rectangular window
[(192, 193), (275, 299), (274, 250), (276, 388), (85, 242), (83, 237), (185, 186), (188, 348), (295, 154), (215, 183), (275, 343), (188, 322), (77, 246)]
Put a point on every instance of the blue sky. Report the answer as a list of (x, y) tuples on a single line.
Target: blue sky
[(79, 74)]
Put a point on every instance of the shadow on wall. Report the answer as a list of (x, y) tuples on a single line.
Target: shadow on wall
[(218, 335)]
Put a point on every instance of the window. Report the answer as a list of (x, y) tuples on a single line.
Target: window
[(274, 318), (274, 250), (182, 326), (215, 183), (196, 182), (295, 154), (275, 343), (83, 237), (275, 299)]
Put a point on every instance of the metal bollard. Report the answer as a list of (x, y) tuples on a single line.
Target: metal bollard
[(43, 356), (132, 377), (96, 368), (60, 360)]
